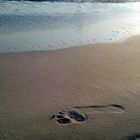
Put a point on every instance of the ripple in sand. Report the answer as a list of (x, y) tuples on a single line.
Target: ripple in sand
[(112, 108)]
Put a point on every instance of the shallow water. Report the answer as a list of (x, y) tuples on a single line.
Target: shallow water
[(27, 26)]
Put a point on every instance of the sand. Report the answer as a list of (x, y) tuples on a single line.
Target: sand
[(82, 93)]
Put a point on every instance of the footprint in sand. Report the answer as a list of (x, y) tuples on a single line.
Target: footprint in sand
[(79, 114), (132, 137), (70, 116), (135, 137)]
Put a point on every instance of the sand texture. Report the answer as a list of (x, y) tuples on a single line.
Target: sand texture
[(82, 93)]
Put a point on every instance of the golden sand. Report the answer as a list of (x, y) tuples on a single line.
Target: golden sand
[(83, 93)]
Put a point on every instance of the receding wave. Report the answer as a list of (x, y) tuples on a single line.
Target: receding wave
[(27, 25), (102, 1)]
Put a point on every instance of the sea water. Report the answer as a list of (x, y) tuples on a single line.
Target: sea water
[(34, 26)]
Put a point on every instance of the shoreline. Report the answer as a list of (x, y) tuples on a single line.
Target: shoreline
[(73, 94), (72, 47)]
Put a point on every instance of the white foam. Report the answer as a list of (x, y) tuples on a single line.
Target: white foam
[(26, 26)]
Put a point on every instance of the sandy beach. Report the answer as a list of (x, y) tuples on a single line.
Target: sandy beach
[(82, 93)]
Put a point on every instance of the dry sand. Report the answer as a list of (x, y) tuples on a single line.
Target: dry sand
[(96, 89)]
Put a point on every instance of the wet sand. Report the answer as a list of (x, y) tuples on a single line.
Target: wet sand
[(82, 93)]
